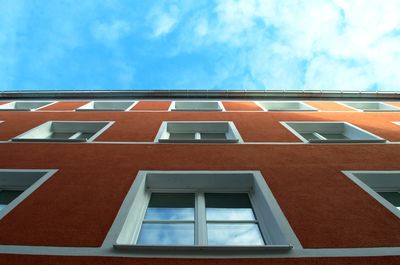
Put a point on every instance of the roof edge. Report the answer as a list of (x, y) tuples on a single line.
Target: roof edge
[(220, 94)]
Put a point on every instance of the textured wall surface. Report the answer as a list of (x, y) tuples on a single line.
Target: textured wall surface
[(77, 205)]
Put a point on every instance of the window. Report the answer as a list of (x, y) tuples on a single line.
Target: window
[(25, 105), (196, 106), (331, 132), (207, 209), (370, 106), (16, 185), (65, 131), (107, 106), (198, 132), (384, 186), (285, 106), (227, 219)]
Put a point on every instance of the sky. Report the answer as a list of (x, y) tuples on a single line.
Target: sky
[(351, 45)]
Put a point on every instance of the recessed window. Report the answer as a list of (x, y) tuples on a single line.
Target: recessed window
[(371, 106), (331, 132), (384, 186), (204, 209), (229, 219), (198, 132), (16, 185), (65, 131), (107, 106), (196, 106), (25, 105), (285, 106)]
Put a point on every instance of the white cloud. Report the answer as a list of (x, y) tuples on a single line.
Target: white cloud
[(304, 44), (112, 31), (327, 73), (163, 20)]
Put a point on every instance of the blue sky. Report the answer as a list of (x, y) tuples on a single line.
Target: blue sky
[(195, 44)]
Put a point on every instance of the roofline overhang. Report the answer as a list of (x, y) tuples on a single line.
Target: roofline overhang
[(200, 94)]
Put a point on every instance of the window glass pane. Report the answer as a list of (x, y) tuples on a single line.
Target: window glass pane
[(213, 136), (309, 136), (234, 234), (60, 135), (334, 136), (182, 136), (228, 206), (85, 136), (166, 234), (170, 206), (7, 196), (392, 197)]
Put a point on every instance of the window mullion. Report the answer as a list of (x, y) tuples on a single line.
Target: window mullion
[(201, 223)]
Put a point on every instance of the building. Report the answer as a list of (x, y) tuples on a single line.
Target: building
[(230, 179)]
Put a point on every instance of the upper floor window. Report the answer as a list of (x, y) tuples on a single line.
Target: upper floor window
[(196, 106), (65, 131), (331, 132), (107, 106), (285, 106), (25, 105), (198, 132), (17, 184), (384, 186), (371, 106)]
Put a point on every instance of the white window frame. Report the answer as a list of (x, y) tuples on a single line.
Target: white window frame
[(6, 107), (21, 184), (273, 225), (200, 222), (321, 139), (390, 109), (172, 107), (264, 108), (89, 106), (23, 137), (374, 181), (233, 133)]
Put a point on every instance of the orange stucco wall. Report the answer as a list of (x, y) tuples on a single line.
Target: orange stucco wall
[(77, 205), (50, 260)]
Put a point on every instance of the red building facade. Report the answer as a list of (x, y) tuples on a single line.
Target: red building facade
[(320, 184)]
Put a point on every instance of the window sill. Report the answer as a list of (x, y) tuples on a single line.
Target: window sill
[(317, 141), (17, 110), (192, 110), (289, 110), (202, 249), (379, 110), (197, 141), (103, 109), (49, 140)]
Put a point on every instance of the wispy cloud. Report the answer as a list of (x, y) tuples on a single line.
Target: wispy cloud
[(226, 44), (317, 44), (111, 31), (163, 20)]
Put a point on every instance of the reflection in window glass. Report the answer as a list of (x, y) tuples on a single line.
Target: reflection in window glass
[(234, 234), (166, 234), (228, 206), (170, 206), (231, 220), (169, 220)]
